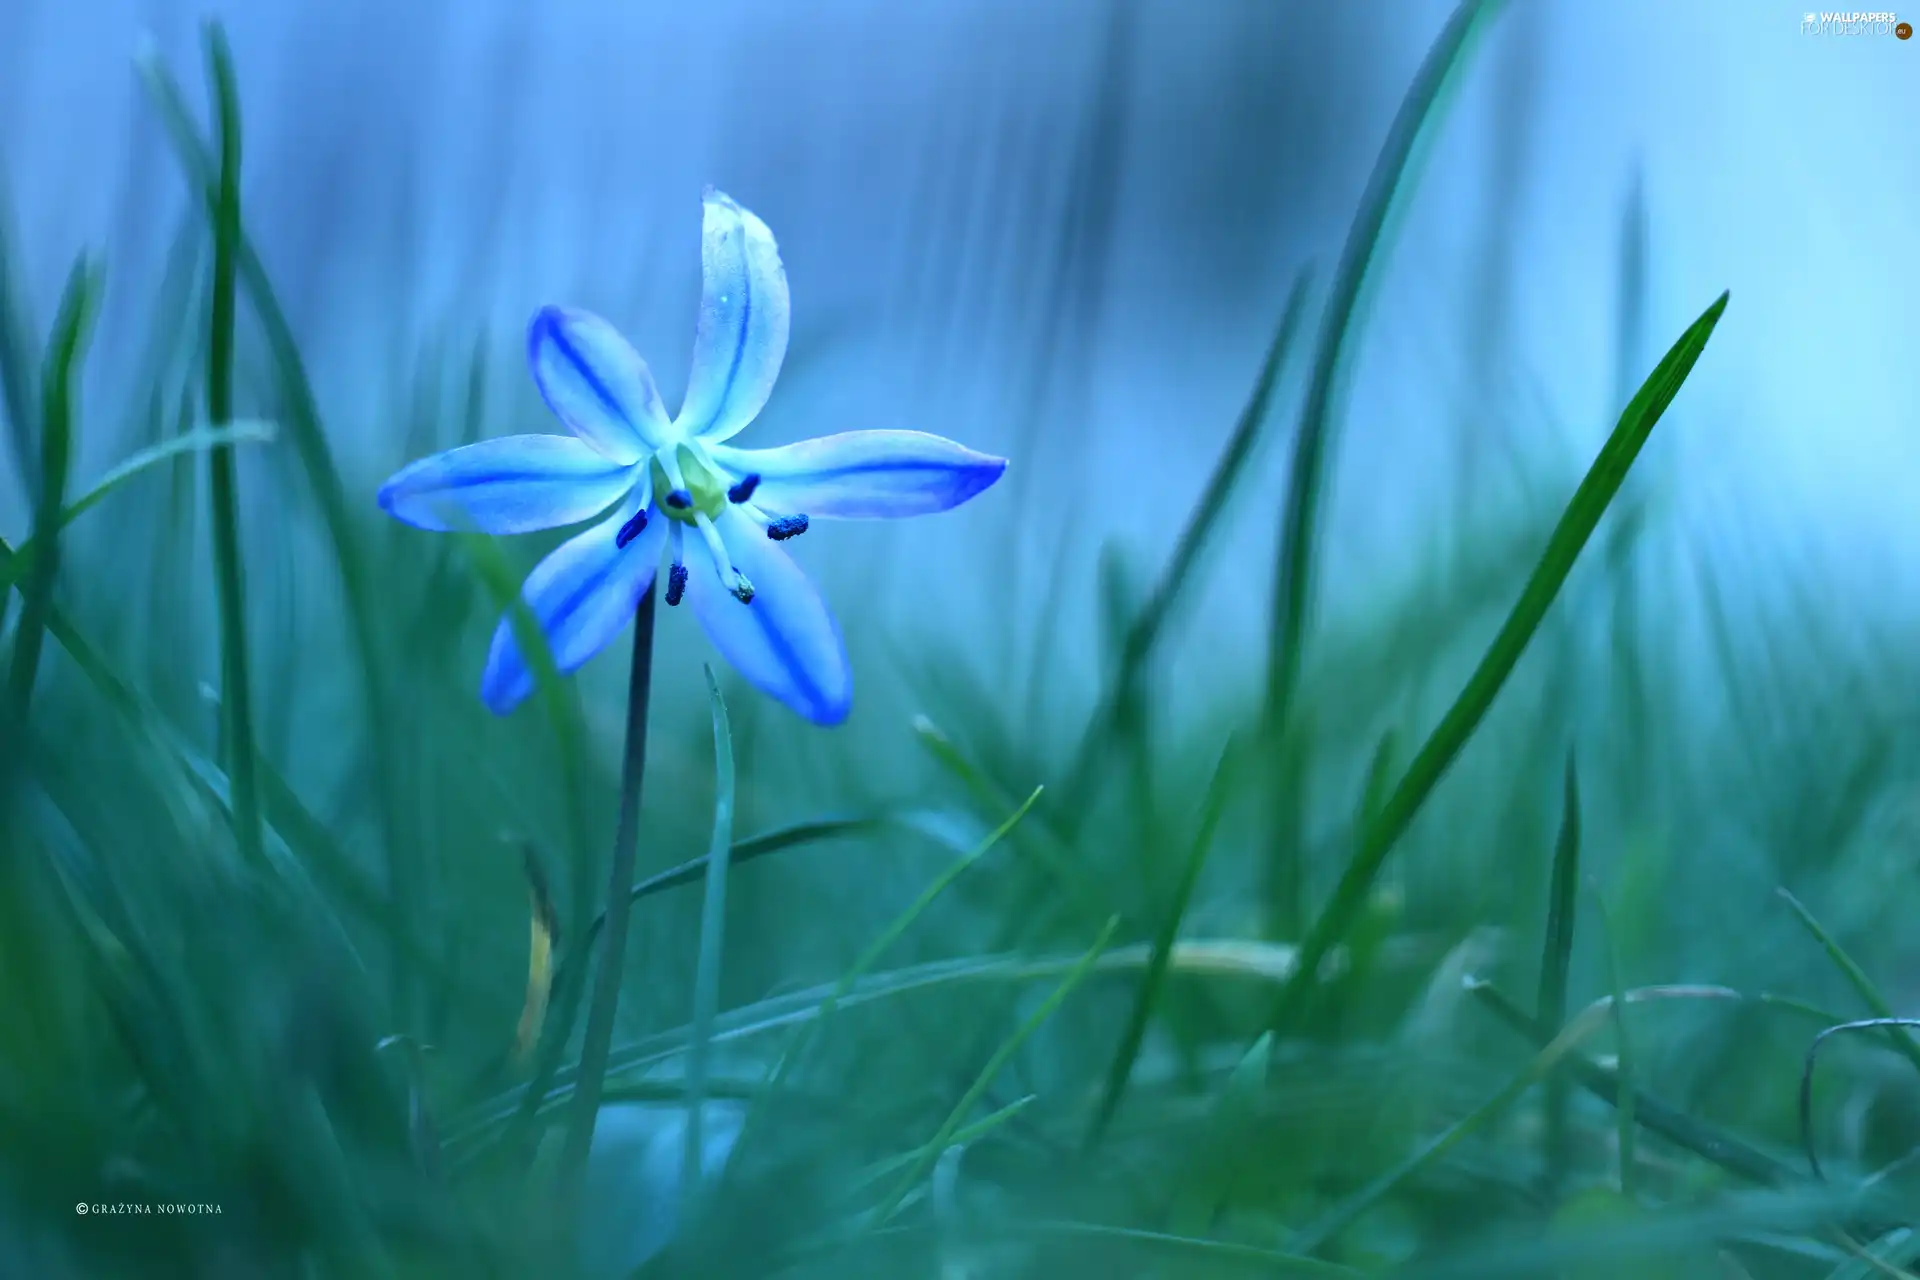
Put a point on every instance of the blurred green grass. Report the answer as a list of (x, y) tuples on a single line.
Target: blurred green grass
[(941, 1041)]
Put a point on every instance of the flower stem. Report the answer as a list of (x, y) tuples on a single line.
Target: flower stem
[(598, 1042)]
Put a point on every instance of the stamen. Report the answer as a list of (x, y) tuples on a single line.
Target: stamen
[(744, 490), (679, 499), (741, 588), (631, 529), (676, 583), (786, 527)]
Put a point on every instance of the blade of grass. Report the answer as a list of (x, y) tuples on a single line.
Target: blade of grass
[(1627, 1132), (1149, 623), (943, 1138), (1676, 1126), (236, 694), (302, 420), (1570, 535), (1211, 808), (1392, 176), (59, 385), (1388, 187), (713, 927), (1857, 978), (1557, 955), (20, 562)]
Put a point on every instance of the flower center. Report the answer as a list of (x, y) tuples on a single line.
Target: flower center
[(699, 489)]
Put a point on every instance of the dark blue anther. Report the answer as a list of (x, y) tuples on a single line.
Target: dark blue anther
[(787, 527), (631, 529), (679, 499), (744, 490), (676, 583)]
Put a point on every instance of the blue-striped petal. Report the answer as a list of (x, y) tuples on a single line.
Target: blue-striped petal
[(741, 337), (784, 642), (596, 383), (515, 484), (581, 596), (864, 475)]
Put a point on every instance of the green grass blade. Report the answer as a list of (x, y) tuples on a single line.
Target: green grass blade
[(713, 927), (58, 387), (1392, 176), (1556, 957), (309, 439), (197, 441), (1569, 537), (236, 693), (1212, 807), (1149, 623), (943, 1138), (1704, 1140), (1857, 978)]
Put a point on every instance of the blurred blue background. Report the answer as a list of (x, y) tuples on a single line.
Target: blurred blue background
[(967, 259)]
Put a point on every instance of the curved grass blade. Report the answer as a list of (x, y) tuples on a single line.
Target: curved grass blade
[(17, 565), (1857, 978), (1569, 537), (59, 379), (1211, 808), (713, 927), (943, 1138), (1676, 1126)]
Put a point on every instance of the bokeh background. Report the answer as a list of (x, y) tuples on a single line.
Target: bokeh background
[(1064, 232)]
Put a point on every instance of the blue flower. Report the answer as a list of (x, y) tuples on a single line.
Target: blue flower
[(673, 484)]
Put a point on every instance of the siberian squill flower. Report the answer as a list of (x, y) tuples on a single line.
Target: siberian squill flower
[(675, 485)]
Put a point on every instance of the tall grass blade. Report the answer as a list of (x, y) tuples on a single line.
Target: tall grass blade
[(1569, 537), (59, 381), (713, 929), (237, 750)]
